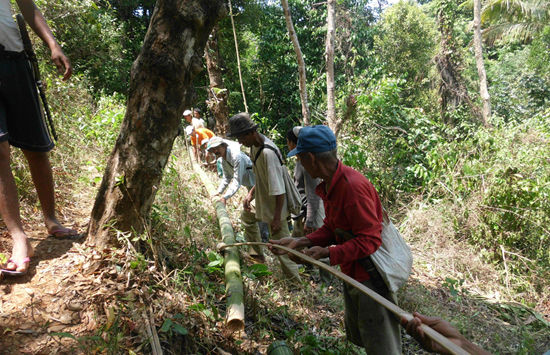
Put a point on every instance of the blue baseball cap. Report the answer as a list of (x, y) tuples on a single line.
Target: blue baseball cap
[(315, 139)]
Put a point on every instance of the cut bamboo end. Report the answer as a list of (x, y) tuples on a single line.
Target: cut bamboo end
[(235, 318)]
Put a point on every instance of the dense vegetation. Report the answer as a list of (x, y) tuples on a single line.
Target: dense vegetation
[(490, 184)]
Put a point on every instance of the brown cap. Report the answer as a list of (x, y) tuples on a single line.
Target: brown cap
[(241, 124)]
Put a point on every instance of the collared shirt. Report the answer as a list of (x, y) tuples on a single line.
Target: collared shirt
[(269, 182), (352, 204), (9, 32), (237, 170)]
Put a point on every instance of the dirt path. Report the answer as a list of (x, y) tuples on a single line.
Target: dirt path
[(54, 296)]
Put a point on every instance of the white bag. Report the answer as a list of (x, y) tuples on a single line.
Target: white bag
[(393, 259)]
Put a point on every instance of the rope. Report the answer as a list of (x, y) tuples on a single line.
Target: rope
[(431, 333)]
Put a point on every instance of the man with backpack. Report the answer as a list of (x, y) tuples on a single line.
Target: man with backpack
[(270, 191), (351, 233)]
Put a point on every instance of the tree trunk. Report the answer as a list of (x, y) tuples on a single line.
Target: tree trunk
[(478, 50), (452, 91), (217, 95), (238, 56), (332, 121), (160, 87), (301, 63)]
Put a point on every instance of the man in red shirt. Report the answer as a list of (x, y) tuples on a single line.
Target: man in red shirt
[(349, 235)]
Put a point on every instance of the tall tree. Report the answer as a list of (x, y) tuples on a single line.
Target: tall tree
[(478, 50), (160, 87), (238, 55), (514, 20), (332, 120), (217, 93), (301, 63), (452, 90)]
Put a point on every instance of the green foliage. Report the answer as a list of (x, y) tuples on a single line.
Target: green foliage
[(455, 287), (514, 20), (406, 41), (172, 326), (504, 177), (518, 91), (313, 344), (94, 41), (388, 142), (256, 271), (216, 262)]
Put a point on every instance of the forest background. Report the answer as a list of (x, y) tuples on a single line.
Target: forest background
[(417, 136)]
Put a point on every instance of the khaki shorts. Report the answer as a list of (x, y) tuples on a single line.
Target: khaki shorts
[(369, 324)]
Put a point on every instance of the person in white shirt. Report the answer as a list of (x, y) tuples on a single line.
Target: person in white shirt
[(237, 171), (194, 121), (269, 192)]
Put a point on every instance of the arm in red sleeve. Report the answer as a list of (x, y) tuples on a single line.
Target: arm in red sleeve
[(322, 237), (364, 216)]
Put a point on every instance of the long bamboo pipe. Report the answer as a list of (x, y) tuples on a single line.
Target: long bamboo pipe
[(434, 335)]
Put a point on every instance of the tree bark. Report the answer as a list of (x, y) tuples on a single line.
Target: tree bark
[(217, 95), (238, 56), (301, 63), (332, 120), (452, 91), (160, 87), (478, 50)]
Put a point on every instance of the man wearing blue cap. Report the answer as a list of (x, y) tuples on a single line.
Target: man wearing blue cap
[(350, 234)]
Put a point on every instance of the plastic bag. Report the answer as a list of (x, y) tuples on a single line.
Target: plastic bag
[(393, 259)]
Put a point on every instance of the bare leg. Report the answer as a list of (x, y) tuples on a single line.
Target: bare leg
[(41, 172), (9, 210)]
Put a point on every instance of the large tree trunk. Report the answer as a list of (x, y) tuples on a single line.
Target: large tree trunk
[(331, 101), (478, 50), (301, 63), (217, 95), (160, 87), (453, 93)]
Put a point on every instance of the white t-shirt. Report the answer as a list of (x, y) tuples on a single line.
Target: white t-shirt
[(9, 32), (269, 182), (197, 122)]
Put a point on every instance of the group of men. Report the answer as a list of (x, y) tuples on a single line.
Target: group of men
[(337, 196), (198, 133)]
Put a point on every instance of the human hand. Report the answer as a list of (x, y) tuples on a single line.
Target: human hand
[(246, 203), (317, 252), (308, 230), (443, 327), (288, 242), (275, 224), (62, 63)]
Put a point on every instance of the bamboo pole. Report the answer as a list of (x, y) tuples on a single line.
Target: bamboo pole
[(434, 335), (233, 278)]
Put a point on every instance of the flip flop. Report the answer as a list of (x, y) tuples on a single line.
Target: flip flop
[(64, 233), (15, 272)]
